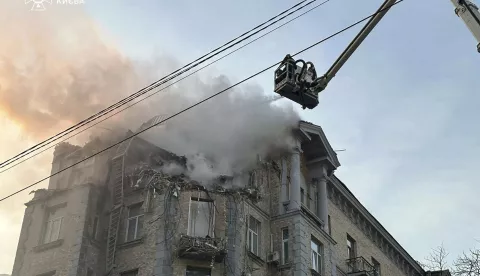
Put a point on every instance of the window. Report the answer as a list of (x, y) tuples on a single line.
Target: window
[(253, 179), (351, 247), (285, 237), (95, 228), (130, 273), (329, 226), (253, 230), (316, 256), (201, 218), (302, 195), (198, 271), (376, 266), (134, 223), (53, 226)]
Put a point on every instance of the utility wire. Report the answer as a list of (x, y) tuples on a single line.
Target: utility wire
[(160, 82), (202, 101), (156, 92)]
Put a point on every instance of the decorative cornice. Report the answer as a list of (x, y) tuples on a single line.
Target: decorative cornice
[(339, 195)]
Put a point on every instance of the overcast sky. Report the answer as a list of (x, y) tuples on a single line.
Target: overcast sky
[(403, 107)]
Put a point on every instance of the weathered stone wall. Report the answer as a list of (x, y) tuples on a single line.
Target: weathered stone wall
[(342, 225), (62, 255)]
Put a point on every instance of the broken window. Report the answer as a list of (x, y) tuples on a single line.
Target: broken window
[(53, 225), (198, 271), (253, 236), (134, 223), (201, 218)]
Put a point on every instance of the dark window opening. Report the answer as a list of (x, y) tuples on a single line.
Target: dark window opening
[(130, 273), (329, 226), (198, 271)]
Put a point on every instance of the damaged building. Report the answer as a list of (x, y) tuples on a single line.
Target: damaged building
[(130, 211)]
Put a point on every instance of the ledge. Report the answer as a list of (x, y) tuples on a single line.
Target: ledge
[(256, 258), (47, 246), (131, 243)]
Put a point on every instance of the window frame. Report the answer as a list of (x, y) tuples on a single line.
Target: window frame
[(351, 247), (136, 218), (285, 249), (254, 232), (48, 226), (211, 232), (376, 264), (316, 255)]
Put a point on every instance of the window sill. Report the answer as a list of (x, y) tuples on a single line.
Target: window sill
[(256, 258), (47, 246), (131, 243), (314, 272)]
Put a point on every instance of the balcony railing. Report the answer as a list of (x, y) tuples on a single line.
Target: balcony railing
[(202, 249), (359, 266)]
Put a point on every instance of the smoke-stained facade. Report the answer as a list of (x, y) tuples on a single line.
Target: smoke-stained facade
[(135, 211)]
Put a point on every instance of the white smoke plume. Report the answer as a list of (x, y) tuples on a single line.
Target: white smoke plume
[(60, 69)]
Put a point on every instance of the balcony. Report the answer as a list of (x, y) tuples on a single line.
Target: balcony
[(201, 249), (360, 267)]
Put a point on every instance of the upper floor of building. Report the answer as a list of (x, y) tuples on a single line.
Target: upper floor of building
[(290, 215)]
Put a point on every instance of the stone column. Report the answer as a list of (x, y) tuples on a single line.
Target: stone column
[(322, 206), (295, 200)]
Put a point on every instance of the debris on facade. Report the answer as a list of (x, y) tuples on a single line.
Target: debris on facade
[(134, 211)]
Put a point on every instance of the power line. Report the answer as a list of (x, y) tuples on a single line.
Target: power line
[(202, 101), (163, 80), (148, 96)]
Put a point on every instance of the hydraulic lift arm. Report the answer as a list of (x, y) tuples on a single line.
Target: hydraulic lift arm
[(297, 80), (300, 83), (470, 15)]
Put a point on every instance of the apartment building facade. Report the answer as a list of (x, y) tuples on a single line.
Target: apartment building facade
[(123, 213)]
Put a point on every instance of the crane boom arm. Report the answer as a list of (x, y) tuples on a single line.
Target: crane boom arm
[(470, 15), (366, 30)]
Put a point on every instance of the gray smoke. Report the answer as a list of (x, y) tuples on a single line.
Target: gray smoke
[(56, 69), (223, 136)]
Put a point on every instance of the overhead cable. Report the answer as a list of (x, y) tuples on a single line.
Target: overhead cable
[(148, 96), (163, 80), (200, 102)]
